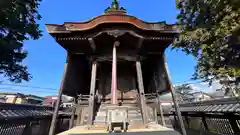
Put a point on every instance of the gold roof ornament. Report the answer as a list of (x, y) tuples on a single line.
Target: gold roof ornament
[(115, 8)]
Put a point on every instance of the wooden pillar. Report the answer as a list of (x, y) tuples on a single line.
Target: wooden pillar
[(186, 119), (55, 114), (161, 113), (158, 101), (79, 113), (173, 93), (155, 114), (92, 92), (71, 122), (114, 74), (141, 91), (26, 131), (44, 127), (204, 123)]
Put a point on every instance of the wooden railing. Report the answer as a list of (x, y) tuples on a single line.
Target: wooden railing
[(18, 119), (214, 117)]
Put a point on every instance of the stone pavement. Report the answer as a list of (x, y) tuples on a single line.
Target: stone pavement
[(152, 129)]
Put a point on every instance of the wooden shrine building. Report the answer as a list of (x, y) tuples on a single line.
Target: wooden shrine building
[(114, 60)]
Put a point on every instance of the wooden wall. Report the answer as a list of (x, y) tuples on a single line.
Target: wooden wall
[(77, 76)]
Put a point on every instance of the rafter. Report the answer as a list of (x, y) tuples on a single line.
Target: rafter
[(92, 43)]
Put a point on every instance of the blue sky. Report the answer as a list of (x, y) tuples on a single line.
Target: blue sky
[(46, 58)]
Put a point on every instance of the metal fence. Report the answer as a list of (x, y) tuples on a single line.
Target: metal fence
[(214, 117), (18, 119)]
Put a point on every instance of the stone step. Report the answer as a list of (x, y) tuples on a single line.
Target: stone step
[(130, 121), (129, 109), (131, 106), (103, 113), (100, 119), (99, 122), (135, 122), (129, 116), (134, 114), (135, 119)]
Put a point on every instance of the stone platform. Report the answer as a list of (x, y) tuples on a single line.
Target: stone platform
[(151, 129)]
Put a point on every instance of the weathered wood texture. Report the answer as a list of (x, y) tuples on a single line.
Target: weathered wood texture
[(141, 92), (71, 122), (92, 92), (126, 79), (78, 76), (154, 71)]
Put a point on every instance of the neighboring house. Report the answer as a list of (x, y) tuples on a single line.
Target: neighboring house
[(166, 103), (201, 96), (194, 97), (19, 98), (51, 101), (32, 99), (219, 95), (67, 105)]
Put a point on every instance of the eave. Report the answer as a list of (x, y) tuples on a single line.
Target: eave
[(109, 19)]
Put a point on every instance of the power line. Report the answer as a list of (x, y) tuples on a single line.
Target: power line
[(27, 90), (186, 82), (28, 86)]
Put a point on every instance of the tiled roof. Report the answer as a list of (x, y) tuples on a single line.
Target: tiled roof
[(20, 111), (210, 106), (5, 113)]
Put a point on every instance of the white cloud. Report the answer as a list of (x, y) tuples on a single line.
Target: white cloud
[(204, 83), (195, 87)]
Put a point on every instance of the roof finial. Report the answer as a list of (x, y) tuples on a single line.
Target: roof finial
[(115, 4), (115, 8)]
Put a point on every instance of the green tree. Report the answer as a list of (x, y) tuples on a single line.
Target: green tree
[(210, 31), (230, 87), (183, 92), (17, 24)]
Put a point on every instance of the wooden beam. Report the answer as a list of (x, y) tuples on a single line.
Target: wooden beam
[(158, 101), (71, 122), (92, 43), (140, 42), (180, 119), (92, 92), (141, 91), (55, 114)]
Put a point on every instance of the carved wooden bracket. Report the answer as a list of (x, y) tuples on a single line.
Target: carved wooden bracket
[(115, 33), (92, 43)]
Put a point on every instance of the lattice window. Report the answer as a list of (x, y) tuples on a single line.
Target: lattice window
[(219, 126)]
